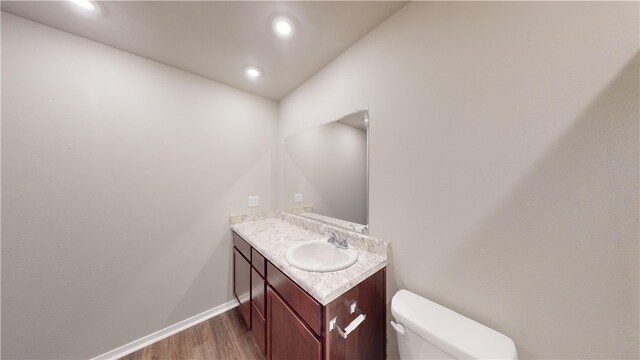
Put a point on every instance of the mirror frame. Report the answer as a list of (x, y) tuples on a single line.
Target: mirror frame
[(366, 114)]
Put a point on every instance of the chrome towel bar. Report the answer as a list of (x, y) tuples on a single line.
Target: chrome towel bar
[(352, 326)]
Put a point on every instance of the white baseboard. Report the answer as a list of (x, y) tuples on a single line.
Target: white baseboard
[(166, 332)]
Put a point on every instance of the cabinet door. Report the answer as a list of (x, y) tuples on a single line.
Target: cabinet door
[(258, 300), (242, 284), (258, 295), (258, 328), (287, 335)]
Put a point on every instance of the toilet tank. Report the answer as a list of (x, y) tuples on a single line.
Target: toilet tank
[(427, 330)]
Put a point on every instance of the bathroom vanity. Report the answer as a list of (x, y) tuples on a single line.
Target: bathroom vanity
[(299, 314)]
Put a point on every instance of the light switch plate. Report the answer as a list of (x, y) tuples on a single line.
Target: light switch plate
[(254, 201), (297, 197)]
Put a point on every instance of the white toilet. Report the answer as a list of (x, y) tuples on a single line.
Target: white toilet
[(427, 330)]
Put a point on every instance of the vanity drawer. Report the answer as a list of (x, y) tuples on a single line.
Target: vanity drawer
[(258, 291), (243, 247), (259, 330), (303, 304), (242, 284), (258, 262)]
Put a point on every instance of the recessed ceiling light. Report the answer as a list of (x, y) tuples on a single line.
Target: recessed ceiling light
[(252, 72), (282, 26), (85, 4)]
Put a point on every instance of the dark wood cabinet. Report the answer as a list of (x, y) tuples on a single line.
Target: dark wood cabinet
[(368, 341), (242, 246), (258, 262), (290, 324), (288, 336), (258, 301), (258, 289), (242, 284), (307, 308), (259, 329)]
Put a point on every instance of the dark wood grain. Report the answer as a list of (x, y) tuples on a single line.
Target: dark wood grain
[(288, 337), (258, 328), (242, 245), (368, 341), (242, 284), (225, 336), (258, 261), (258, 291), (302, 303)]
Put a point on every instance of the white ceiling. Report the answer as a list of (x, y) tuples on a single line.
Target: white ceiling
[(218, 39)]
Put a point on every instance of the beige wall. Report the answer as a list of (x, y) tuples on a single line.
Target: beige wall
[(504, 163), (328, 165), (118, 178)]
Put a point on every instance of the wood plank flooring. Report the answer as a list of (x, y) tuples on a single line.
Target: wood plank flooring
[(223, 337)]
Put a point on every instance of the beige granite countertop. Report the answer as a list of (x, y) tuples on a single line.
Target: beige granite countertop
[(272, 234)]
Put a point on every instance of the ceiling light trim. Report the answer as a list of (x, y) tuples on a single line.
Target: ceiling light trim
[(252, 72), (283, 26), (84, 4)]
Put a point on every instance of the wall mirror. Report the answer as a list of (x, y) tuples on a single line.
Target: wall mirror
[(327, 168)]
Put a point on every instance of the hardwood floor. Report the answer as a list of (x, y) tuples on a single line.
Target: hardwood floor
[(223, 337)]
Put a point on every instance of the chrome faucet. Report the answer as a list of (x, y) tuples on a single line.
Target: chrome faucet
[(333, 240)]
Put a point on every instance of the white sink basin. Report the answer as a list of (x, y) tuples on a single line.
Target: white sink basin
[(320, 256)]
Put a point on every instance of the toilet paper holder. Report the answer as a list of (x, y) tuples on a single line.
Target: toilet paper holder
[(353, 308)]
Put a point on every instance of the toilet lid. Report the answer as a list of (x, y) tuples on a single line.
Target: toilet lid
[(453, 333)]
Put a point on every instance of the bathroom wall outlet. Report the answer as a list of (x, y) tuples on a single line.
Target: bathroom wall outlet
[(297, 197), (254, 201)]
